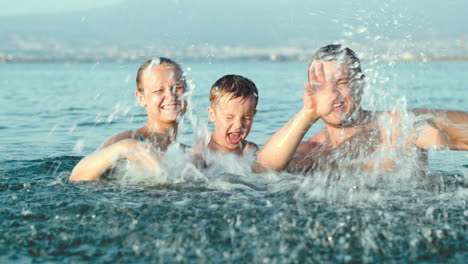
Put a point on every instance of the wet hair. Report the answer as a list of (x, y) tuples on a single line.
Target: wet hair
[(235, 85), (155, 62), (339, 53)]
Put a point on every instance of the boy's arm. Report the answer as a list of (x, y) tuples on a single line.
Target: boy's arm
[(444, 129), (319, 95)]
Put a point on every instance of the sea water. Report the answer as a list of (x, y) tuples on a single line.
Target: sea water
[(53, 114)]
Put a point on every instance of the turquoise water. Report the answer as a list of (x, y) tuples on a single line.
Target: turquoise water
[(54, 114)]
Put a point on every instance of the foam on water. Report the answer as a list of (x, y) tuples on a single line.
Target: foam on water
[(179, 212)]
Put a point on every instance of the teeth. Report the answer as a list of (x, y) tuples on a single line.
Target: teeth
[(171, 106), (337, 105)]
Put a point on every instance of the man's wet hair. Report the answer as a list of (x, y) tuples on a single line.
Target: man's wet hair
[(155, 62), (235, 86), (339, 53)]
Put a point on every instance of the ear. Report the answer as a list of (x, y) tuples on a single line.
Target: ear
[(211, 114), (141, 98), (255, 112)]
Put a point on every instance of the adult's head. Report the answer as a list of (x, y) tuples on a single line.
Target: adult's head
[(233, 100), (160, 86), (342, 66)]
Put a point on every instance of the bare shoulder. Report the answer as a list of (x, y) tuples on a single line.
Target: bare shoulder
[(384, 115), (306, 147), (129, 134), (250, 147), (320, 137), (388, 121)]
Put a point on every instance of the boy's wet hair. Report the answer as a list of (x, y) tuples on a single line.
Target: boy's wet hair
[(234, 85), (154, 62), (339, 53)]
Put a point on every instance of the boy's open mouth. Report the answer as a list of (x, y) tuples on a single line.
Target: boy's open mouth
[(234, 138)]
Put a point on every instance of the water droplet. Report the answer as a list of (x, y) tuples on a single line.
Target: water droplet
[(79, 145)]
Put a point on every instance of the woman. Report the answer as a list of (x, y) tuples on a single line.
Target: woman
[(160, 85)]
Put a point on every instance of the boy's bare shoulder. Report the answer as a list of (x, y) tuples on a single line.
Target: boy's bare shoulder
[(250, 147)]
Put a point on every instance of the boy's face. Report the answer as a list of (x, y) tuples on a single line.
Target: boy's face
[(233, 118)]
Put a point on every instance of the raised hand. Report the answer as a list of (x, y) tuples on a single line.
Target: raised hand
[(319, 97), (320, 92)]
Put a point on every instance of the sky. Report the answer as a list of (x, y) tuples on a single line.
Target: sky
[(31, 7), (261, 23)]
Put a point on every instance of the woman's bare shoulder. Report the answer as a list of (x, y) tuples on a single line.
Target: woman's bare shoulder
[(129, 134)]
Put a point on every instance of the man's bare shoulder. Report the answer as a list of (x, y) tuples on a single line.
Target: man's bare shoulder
[(320, 137)]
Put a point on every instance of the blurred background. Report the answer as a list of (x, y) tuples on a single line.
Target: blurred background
[(124, 30)]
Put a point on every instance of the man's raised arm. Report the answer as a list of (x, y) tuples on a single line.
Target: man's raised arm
[(319, 95)]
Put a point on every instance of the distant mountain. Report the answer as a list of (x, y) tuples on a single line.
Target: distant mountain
[(141, 27)]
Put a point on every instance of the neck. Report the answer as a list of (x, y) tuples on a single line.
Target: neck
[(162, 134), (163, 129), (357, 122)]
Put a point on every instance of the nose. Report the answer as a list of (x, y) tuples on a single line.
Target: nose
[(237, 124), (336, 91), (170, 93)]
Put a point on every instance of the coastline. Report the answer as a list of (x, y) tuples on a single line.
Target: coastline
[(255, 58)]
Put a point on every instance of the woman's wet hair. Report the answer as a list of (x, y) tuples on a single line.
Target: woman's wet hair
[(154, 62), (234, 85)]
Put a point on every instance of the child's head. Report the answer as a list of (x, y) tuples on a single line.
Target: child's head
[(160, 84), (233, 106)]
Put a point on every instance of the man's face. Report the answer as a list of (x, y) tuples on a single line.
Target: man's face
[(233, 118), (349, 88)]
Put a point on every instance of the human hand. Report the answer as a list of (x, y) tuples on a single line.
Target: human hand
[(320, 92)]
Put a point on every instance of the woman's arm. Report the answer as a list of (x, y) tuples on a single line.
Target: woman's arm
[(93, 166)]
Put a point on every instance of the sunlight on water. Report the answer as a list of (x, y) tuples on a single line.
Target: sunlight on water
[(179, 212)]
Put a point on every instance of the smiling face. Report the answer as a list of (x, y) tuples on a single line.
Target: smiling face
[(161, 87), (349, 86), (233, 118)]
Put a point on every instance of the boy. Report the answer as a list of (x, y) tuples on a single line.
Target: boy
[(233, 101)]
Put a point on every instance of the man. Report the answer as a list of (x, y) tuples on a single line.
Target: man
[(354, 138)]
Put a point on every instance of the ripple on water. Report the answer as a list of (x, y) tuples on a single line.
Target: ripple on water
[(239, 217)]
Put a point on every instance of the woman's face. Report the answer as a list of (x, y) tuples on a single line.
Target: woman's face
[(163, 88)]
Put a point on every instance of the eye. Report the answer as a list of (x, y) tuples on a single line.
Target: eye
[(342, 83), (247, 118), (228, 117), (177, 87)]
